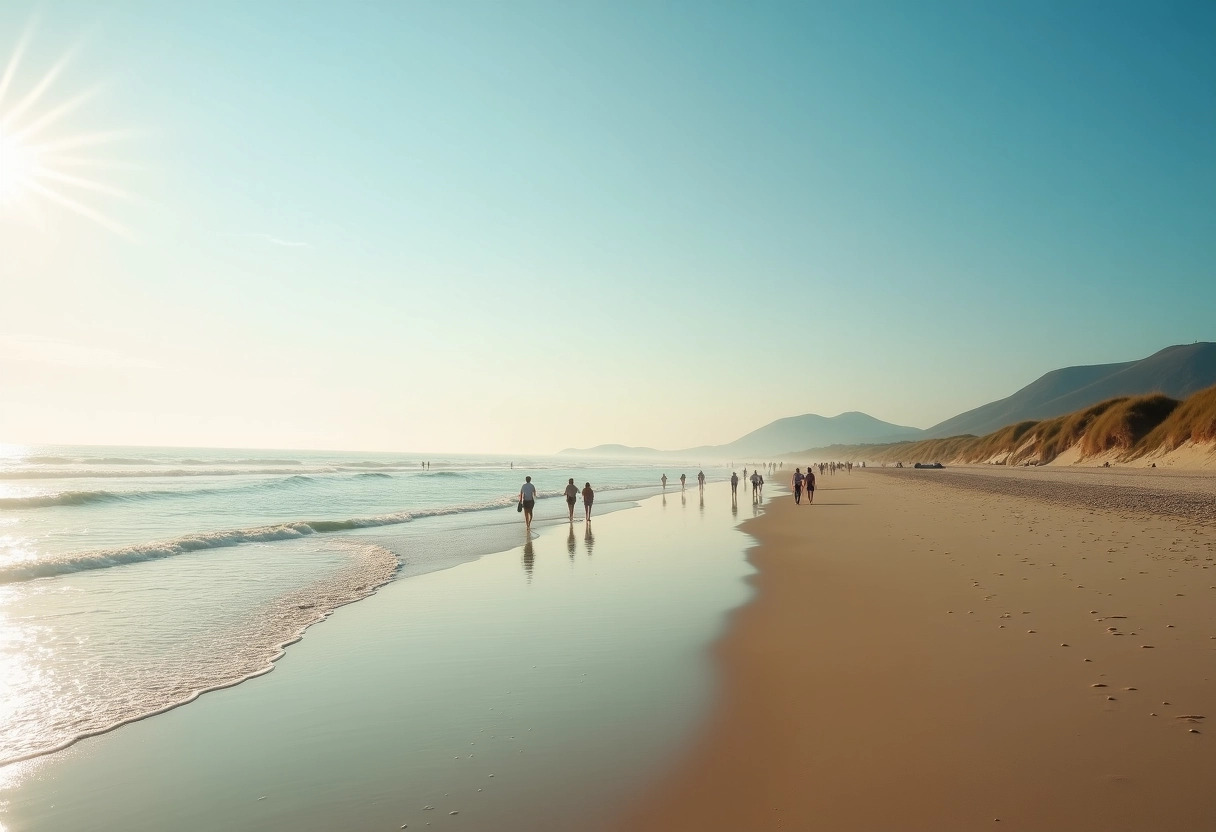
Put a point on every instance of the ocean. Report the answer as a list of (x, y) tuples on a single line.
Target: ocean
[(134, 579)]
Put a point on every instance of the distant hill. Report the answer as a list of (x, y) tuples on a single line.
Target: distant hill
[(1124, 429), (778, 437), (1176, 372), (808, 430)]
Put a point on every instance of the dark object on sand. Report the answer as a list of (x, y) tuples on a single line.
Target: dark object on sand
[(928, 465)]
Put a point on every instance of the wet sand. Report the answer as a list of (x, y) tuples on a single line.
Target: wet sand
[(978, 650)]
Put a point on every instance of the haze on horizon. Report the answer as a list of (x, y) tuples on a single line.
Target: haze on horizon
[(494, 228)]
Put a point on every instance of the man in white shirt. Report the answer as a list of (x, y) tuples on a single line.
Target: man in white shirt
[(527, 496)]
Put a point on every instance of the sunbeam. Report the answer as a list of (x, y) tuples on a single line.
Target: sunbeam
[(33, 144)]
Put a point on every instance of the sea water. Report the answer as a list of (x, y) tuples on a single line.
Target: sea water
[(134, 579)]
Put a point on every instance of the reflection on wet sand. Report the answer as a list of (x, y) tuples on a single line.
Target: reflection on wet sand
[(702, 502), (529, 558), (571, 542), (664, 499), (588, 540)]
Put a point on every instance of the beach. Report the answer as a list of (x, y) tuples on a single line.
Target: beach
[(917, 650), (985, 648)]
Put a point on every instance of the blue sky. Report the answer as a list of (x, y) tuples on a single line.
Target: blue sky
[(526, 226)]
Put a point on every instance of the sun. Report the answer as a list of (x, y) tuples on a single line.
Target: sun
[(41, 159)]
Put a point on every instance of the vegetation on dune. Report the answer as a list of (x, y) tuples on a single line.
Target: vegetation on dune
[(1129, 427), (1194, 420)]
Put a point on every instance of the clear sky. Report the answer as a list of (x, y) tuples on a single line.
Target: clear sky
[(517, 227)]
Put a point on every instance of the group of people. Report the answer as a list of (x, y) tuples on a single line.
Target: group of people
[(805, 482), (527, 500), (684, 480)]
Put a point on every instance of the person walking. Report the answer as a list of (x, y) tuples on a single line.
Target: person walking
[(682, 479), (809, 486), (664, 481), (755, 484), (797, 486), (527, 499), (734, 484), (588, 499), (571, 497), (701, 480)]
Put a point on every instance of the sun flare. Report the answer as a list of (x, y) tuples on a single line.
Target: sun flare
[(35, 144)]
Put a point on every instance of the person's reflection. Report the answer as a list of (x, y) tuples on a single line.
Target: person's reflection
[(529, 557), (664, 499), (683, 499), (702, 502), (588, 540), (734, 508), (570, 542)]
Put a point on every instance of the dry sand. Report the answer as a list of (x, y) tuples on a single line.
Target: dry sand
[(942, 650)]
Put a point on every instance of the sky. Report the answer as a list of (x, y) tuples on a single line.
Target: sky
[(520, 227)]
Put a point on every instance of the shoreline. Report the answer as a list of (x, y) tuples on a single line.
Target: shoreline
[(571, 651), (948, 649)]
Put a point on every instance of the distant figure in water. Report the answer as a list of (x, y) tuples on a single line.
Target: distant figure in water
[(664, 479), (797, 486), (734, 483), (701, 480), (571, 497), (808, 485), (527, 496), (588, 499), (682, 479)]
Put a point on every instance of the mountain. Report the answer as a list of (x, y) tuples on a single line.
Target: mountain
[(781, 436), (811, 431), (1177, 372)]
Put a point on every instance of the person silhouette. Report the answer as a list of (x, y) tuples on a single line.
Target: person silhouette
[(527, 498), (571, 497)]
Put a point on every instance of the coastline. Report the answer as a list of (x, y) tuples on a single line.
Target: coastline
[(925, 656)]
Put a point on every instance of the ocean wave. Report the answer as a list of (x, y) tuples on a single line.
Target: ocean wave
[(81, 498), (63, 498), (44, 474), (376, 474), (140, 552)]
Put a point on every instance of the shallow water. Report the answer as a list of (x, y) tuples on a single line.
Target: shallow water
[(569, 668), (132, 579)]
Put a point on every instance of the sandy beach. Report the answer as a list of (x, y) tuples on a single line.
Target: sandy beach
[(940, 650)]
